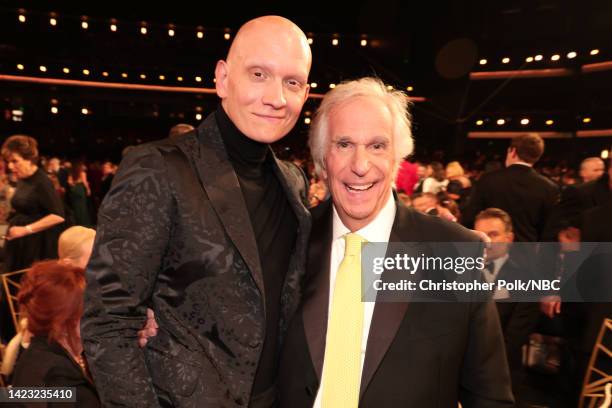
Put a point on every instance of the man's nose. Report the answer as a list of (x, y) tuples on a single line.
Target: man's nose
[(274, 95), (361, 161)]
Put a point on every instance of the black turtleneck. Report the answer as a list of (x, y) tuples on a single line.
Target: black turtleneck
[(275, 228)]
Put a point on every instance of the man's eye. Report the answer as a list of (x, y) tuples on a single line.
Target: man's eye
[(342, 145), (258, 74), (378, 146)]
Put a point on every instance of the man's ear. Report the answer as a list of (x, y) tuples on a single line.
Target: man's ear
[(221, 74), (306, 93)]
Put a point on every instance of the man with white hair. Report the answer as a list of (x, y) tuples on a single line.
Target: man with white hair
[(591, 169), (342, 352)]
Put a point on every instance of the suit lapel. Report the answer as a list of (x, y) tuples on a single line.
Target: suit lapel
[(316, 288), (220, 182), (387, 316)]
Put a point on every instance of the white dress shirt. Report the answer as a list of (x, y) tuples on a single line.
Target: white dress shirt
[(491, 277), (378, 230)]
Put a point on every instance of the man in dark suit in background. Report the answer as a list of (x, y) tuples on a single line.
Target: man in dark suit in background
[(342, 352), (517, 317), (525, 195), (209, 231)]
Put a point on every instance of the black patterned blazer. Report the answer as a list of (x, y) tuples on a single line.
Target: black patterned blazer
[(174, 234)]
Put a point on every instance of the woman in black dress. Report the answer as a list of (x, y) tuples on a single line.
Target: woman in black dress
[(37, 214)]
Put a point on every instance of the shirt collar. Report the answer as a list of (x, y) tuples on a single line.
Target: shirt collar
[(378, 230)]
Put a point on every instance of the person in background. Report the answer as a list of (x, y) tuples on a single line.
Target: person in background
[(179, 129), (407, 177), (458, 184), (437, 182), (51, 296), (75, 245), (591, 169), (79, 193), (428, 203), (37, 215)]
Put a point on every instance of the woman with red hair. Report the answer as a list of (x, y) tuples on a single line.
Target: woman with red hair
[(51, 296)]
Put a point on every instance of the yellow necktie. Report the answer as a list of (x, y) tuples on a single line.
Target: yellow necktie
[(342, 362)]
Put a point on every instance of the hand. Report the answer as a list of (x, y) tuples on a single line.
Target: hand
[(16, 232), (550, 306), (149, 329)]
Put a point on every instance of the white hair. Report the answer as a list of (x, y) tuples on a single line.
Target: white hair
[(396, 101)]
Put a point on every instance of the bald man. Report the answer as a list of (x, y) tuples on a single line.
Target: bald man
[(209, 231), (591, 169)]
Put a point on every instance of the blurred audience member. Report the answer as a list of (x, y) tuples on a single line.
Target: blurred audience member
[(51, 296), (34, 223), (108, 173), (407, 177), (6, 193), (79, 193), (437, 181), (591, 169), (423, 171), (75, 245), (519, 190), (317, 192), (458, 184), (179, 129), (428, 203)]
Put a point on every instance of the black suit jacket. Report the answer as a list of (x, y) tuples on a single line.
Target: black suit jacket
[(47, 364), (174, 234), (418, 354), (575, 200), (520, 191)]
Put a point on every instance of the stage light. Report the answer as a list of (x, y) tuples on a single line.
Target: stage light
[(22, 18), (171, 32), (124, 75), (66, 70), (332, 86), (307, 121), (389, 87), (409, 88), (54, 110), (335, 42), (84, 111), (84, 25), (483, 62), (529, 59), (310, 40), (180, 79), (143, 76), (53, 21), (198, 116), (227, 36), (605, 154), (143, 30), (524, 121), (479, 122), (20, 67), (594, 52), (586, 120), (198, 79), (538, 57), (501, 122), (113, 27), (505, 60), (85, 72), (549, 122), (162, 77), (200, 34), (104, 74), (364, 43), (571, 54), (313, 85), (555, 57), (42, 68)]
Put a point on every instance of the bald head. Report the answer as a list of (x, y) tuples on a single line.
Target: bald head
[(263, 84), (591, 169), (265, 32)]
